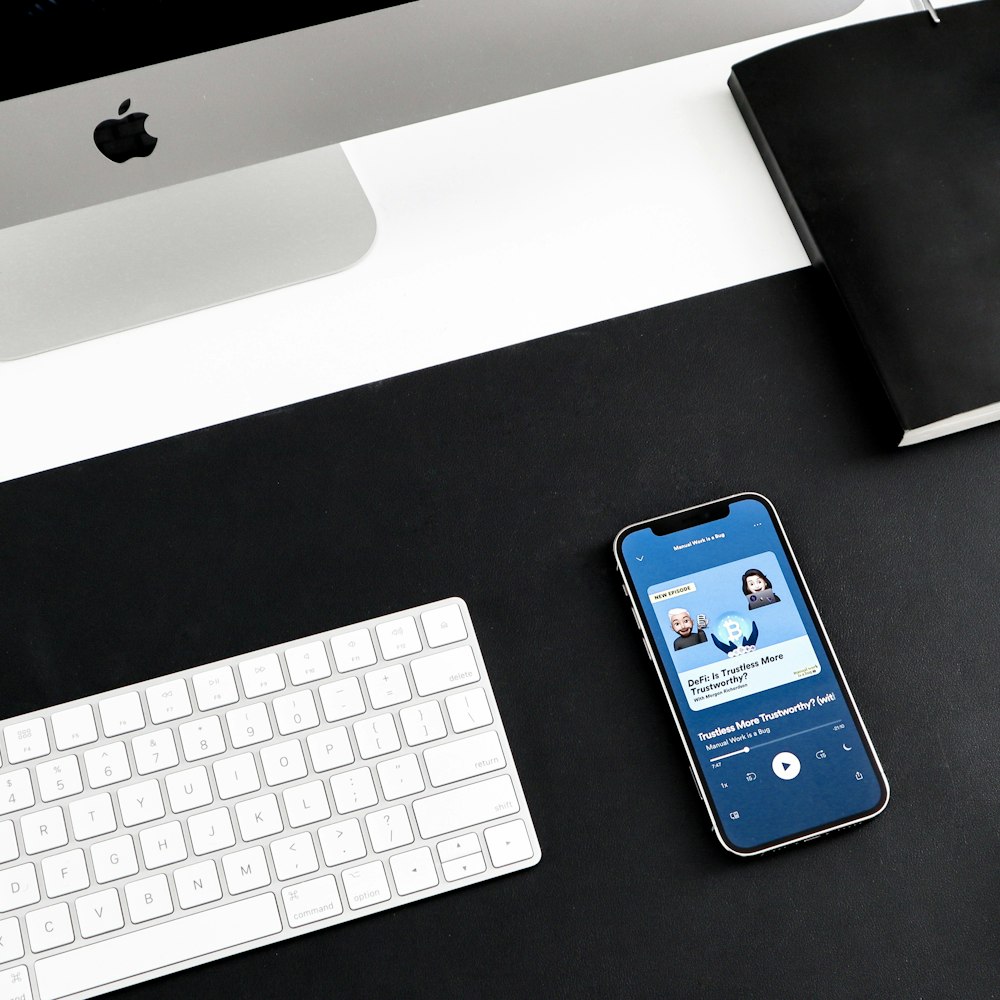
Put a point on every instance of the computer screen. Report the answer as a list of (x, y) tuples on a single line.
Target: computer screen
[(103, 101), (62, 42)]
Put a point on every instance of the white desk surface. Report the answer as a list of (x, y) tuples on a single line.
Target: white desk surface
[(495, 226)]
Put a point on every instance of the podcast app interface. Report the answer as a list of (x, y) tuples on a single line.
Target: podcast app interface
[(776, 739)]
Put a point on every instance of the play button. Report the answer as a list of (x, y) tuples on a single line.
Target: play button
[(786, 765)]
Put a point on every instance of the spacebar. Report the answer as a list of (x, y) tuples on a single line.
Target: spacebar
[(142, 952)]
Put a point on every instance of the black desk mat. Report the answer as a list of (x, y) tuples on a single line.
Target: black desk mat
[(503, 478)]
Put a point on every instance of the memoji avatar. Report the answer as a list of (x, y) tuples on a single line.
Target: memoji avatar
[(758, 590), (736, 636), (681, 623)]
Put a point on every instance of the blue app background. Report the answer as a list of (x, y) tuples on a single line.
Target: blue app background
[(776, 762)]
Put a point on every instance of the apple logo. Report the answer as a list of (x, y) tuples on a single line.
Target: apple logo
[(120, 139)]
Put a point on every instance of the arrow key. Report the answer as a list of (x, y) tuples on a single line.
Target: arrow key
[(471, 864), (508, 843), (413, 871)]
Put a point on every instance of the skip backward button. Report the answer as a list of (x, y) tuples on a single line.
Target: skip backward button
[(786, 765)]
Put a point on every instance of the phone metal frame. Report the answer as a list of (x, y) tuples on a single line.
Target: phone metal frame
[(652, 650)]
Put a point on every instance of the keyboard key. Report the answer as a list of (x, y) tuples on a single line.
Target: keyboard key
[(114, 859), (330, 749), (413, 871), (398, 637), (283, 762), (295, 712), (11, 943), (443, 625), (99, 913), (168, 701), (211, 831), (43, 831), (140, 803), (148, 899), (342, 699), (153, 948), (387, 686), (306, 804), (262, 675), (49, 927), (107, 765), (422, 723), (376, 736), (248, 726), (162, 845), (8, 842), (65, 873), (246, 870), (353, 790), (294, 857), (307, 902), (468, 710), (26, 741), (154, 751), (74, 727), (342, 842), (14, 984), (121, 714), (459, 847), (459, 759), (236, 776), (389, 829), (466, 806), (58, 778), (18, 887), (189, 789), (15, 791), (353, 650), (471, 864), (259, 817), (508, 843), (366, 885), (400, 776), (203, 738), (92, 816), (197, 884), (442, 671), (215, 689), (307, 663)]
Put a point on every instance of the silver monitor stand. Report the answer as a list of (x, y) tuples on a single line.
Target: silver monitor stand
[(124, 263)]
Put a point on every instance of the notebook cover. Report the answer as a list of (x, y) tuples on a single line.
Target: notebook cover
[(883, 139), (504, 478)]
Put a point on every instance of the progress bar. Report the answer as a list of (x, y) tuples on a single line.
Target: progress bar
[(781, 739), (778, 739)]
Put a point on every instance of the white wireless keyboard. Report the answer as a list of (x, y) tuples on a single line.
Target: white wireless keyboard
[(233, 805)]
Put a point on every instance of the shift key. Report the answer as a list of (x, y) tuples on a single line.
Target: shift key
[(466, 806)]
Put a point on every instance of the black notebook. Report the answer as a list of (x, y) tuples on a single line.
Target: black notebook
[(884, 141)]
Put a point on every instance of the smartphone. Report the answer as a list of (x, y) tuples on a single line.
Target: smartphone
[(776, 745)]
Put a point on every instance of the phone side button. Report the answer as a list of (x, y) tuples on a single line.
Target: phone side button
[(635, 615), (696, 788), (649, 652)]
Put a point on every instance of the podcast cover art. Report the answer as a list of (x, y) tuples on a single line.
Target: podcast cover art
[(733, 630)]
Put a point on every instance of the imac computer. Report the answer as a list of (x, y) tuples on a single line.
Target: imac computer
[(162, 156)]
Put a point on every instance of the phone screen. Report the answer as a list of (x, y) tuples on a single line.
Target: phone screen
[(770, 725)]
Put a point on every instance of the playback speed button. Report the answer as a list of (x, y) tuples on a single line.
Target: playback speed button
[(786, 765)]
